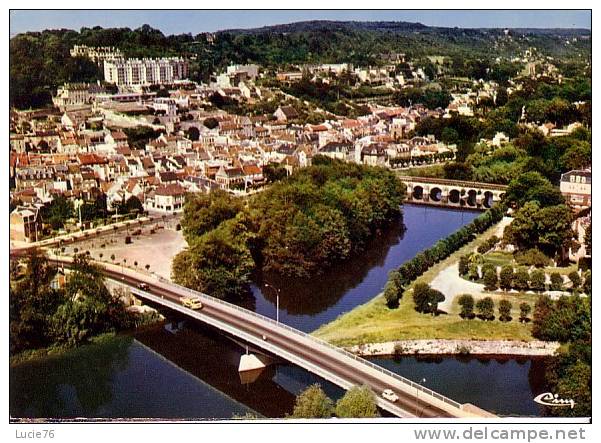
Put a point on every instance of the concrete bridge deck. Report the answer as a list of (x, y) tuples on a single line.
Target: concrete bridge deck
[(332, 363)]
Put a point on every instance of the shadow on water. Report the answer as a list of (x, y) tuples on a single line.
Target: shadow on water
[(48, 387), (317, 294)]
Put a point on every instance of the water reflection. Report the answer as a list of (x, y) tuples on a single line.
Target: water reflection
[(76, 383), (500, 384), (307, 304)]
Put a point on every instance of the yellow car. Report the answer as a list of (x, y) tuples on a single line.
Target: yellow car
[(191, 302)]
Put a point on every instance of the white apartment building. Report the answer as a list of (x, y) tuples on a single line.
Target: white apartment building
[(143, 72)]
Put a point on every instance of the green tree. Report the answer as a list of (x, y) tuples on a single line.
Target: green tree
[(463, 265), (506, 277), (313, 403), (466, 301), (587, 285), (532, 186), (391, 293), (537, 280), (505, 310), (218, 263), (525, 309), (357, 402), (556, 282), (32, 303), (486, 308), (491, 281), (521, 279), (575, 279)]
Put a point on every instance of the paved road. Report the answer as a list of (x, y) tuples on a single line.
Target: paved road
[(312, 352)]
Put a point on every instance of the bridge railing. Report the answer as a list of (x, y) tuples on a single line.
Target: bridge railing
[(320, 341)]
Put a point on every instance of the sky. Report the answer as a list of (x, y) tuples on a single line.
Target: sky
[(178, 22)]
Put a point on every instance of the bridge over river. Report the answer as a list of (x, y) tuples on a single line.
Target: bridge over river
[(452, 193), (332, 363)]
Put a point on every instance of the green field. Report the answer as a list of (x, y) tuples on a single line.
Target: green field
[(374, 322)]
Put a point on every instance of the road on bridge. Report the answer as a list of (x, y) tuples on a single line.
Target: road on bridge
[(306, 348)]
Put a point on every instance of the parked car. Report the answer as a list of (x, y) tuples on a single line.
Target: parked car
[(143, 287), (389, 395), (191, 302)]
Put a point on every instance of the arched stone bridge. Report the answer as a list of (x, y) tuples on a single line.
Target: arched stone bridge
[(453, 193)]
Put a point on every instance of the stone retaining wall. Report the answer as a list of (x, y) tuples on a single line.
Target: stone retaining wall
[(477, 347)]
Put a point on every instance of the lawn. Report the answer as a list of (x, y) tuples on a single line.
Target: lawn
[(374, 322)]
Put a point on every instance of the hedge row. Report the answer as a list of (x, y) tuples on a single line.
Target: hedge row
[(399, 279)]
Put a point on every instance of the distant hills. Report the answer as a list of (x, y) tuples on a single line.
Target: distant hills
[(399, 27)]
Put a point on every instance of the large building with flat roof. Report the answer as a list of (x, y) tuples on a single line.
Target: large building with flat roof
[(146, 71)]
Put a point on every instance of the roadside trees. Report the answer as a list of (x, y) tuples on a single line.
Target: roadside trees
[(491, 281), (358, 402)]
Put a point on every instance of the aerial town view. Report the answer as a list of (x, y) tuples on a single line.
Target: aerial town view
[(300, 216)]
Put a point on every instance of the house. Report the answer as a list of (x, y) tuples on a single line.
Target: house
[(340, 150), (25, 223), (576, 187), (285, 113), (374, 154), (166, 198), (226, 177)]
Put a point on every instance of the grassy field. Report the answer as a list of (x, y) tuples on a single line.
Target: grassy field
[(375, 322)]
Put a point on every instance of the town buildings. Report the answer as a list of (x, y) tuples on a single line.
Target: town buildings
[(144, 72)]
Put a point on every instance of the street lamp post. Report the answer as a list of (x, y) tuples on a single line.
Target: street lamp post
[(277, 301), (423, 380)]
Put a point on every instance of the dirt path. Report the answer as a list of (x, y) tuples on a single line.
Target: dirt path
[(451, 285)]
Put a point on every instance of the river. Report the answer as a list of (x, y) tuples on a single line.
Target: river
[(191, 371)]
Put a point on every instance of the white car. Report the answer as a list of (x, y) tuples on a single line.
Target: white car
[(389, 395)]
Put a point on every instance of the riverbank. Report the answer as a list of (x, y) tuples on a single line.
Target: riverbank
[(58, 350), (375, 322), (454, 347)]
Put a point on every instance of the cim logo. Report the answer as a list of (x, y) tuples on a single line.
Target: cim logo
[(549, 399)]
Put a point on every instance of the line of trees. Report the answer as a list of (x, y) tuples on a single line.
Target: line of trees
[(520, 278), (484, 309), (399, 280)]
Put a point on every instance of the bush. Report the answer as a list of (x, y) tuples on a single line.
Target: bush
[(474, 273), (466, 301), (426, 299), (537, 280), (587, 286), (575, 279), (391, 294), (520, 279), (486, 308), (556, 282), (488, 244), (584, 263), (532, 257), (358, 402), (525, 309), (505, 310), (491, 281), (464, 264), (506, 277)]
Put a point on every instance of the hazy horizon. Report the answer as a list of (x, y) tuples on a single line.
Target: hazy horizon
[(197, 21)]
